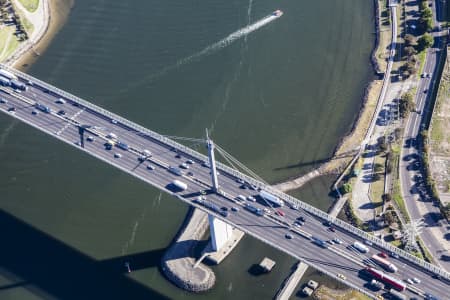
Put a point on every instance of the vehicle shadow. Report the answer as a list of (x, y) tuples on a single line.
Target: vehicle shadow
[(51, 268)]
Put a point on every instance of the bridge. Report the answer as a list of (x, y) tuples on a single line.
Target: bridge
[(209, 185)]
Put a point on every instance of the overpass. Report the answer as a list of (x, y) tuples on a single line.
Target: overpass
[(87, 127)]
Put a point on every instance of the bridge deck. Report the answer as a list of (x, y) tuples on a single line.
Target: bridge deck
[(271, 229)]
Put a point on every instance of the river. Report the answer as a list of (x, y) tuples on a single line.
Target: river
[(278, 99)]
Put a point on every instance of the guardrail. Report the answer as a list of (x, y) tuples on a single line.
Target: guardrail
[(289, 199)]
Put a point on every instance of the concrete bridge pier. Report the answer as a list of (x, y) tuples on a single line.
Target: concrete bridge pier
[(224, 238)]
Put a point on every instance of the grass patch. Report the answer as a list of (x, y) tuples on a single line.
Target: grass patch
[(396, 243), (8, 48), (30, 5), (324, 292), (25, 22), (377, 187), (437, 134), (421, 56)]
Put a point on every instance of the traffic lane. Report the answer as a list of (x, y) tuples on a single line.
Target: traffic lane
[(50, 122), (408, 271)]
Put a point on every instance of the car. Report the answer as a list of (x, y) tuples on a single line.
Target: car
[(331, 242), (184, 166), (240, 198), (341, 276), (280, 212), (90, 138), (409, 280), (337, 241), (327, 223), (114, 121), (190, 162), (428, 75), (224, 208), (60, 101), (332, 229), (424, 74), (30, 83), (61, 112), (416, 280), (117, 155), (243, 186), (301, 219), (367, 242), (11, 109), (288, 236), (266, 210), (178, 155), (251, 198), (382, 254), (297, 224), (190, 174), (204, 164), (239, 180), (203, 192), (234, 208), (34, 112), (150, 167), (425, 91), (295, 207), (394, 255), (3, 100)]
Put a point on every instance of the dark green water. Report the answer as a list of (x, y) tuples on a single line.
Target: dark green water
[(278, 100)]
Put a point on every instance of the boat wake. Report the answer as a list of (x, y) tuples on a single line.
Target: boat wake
[(243, 32)]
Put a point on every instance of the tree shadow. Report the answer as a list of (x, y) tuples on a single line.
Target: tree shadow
[(51, 267)]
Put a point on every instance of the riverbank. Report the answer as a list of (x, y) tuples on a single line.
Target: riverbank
[(52, 17)]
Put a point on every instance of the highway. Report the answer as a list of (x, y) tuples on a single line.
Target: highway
[(417, 199), (270, 228)]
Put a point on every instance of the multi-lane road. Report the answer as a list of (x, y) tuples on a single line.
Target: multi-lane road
[(270, 228), (418, 202)]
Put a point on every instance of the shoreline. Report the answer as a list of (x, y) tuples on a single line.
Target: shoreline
[(55, 15)]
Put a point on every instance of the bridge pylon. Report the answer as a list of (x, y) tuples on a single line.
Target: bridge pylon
[(212, 163)]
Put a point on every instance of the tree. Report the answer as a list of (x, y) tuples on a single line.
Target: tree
[(425, 41), (382, 144), (346, 188), (406, 104), (410, 40), (410, 51), (378, 167)]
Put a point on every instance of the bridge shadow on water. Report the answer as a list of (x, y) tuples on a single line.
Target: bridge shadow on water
[(51, 269)]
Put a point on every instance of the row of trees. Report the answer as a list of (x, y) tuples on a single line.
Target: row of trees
[(5, 7), (426, 17)]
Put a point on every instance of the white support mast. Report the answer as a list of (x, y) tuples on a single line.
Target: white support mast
[(212, 162)]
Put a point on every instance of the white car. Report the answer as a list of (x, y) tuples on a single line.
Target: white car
[(61, 101), (117, 155), (251, 198), (409, 280), (90, 138), (184, 166), (150, 167), (416, 280), (190, 161), (113, 121), (337, 241)]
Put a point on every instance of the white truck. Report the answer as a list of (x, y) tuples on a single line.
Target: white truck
[(361, 247), (271, 198), (180, 185)]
